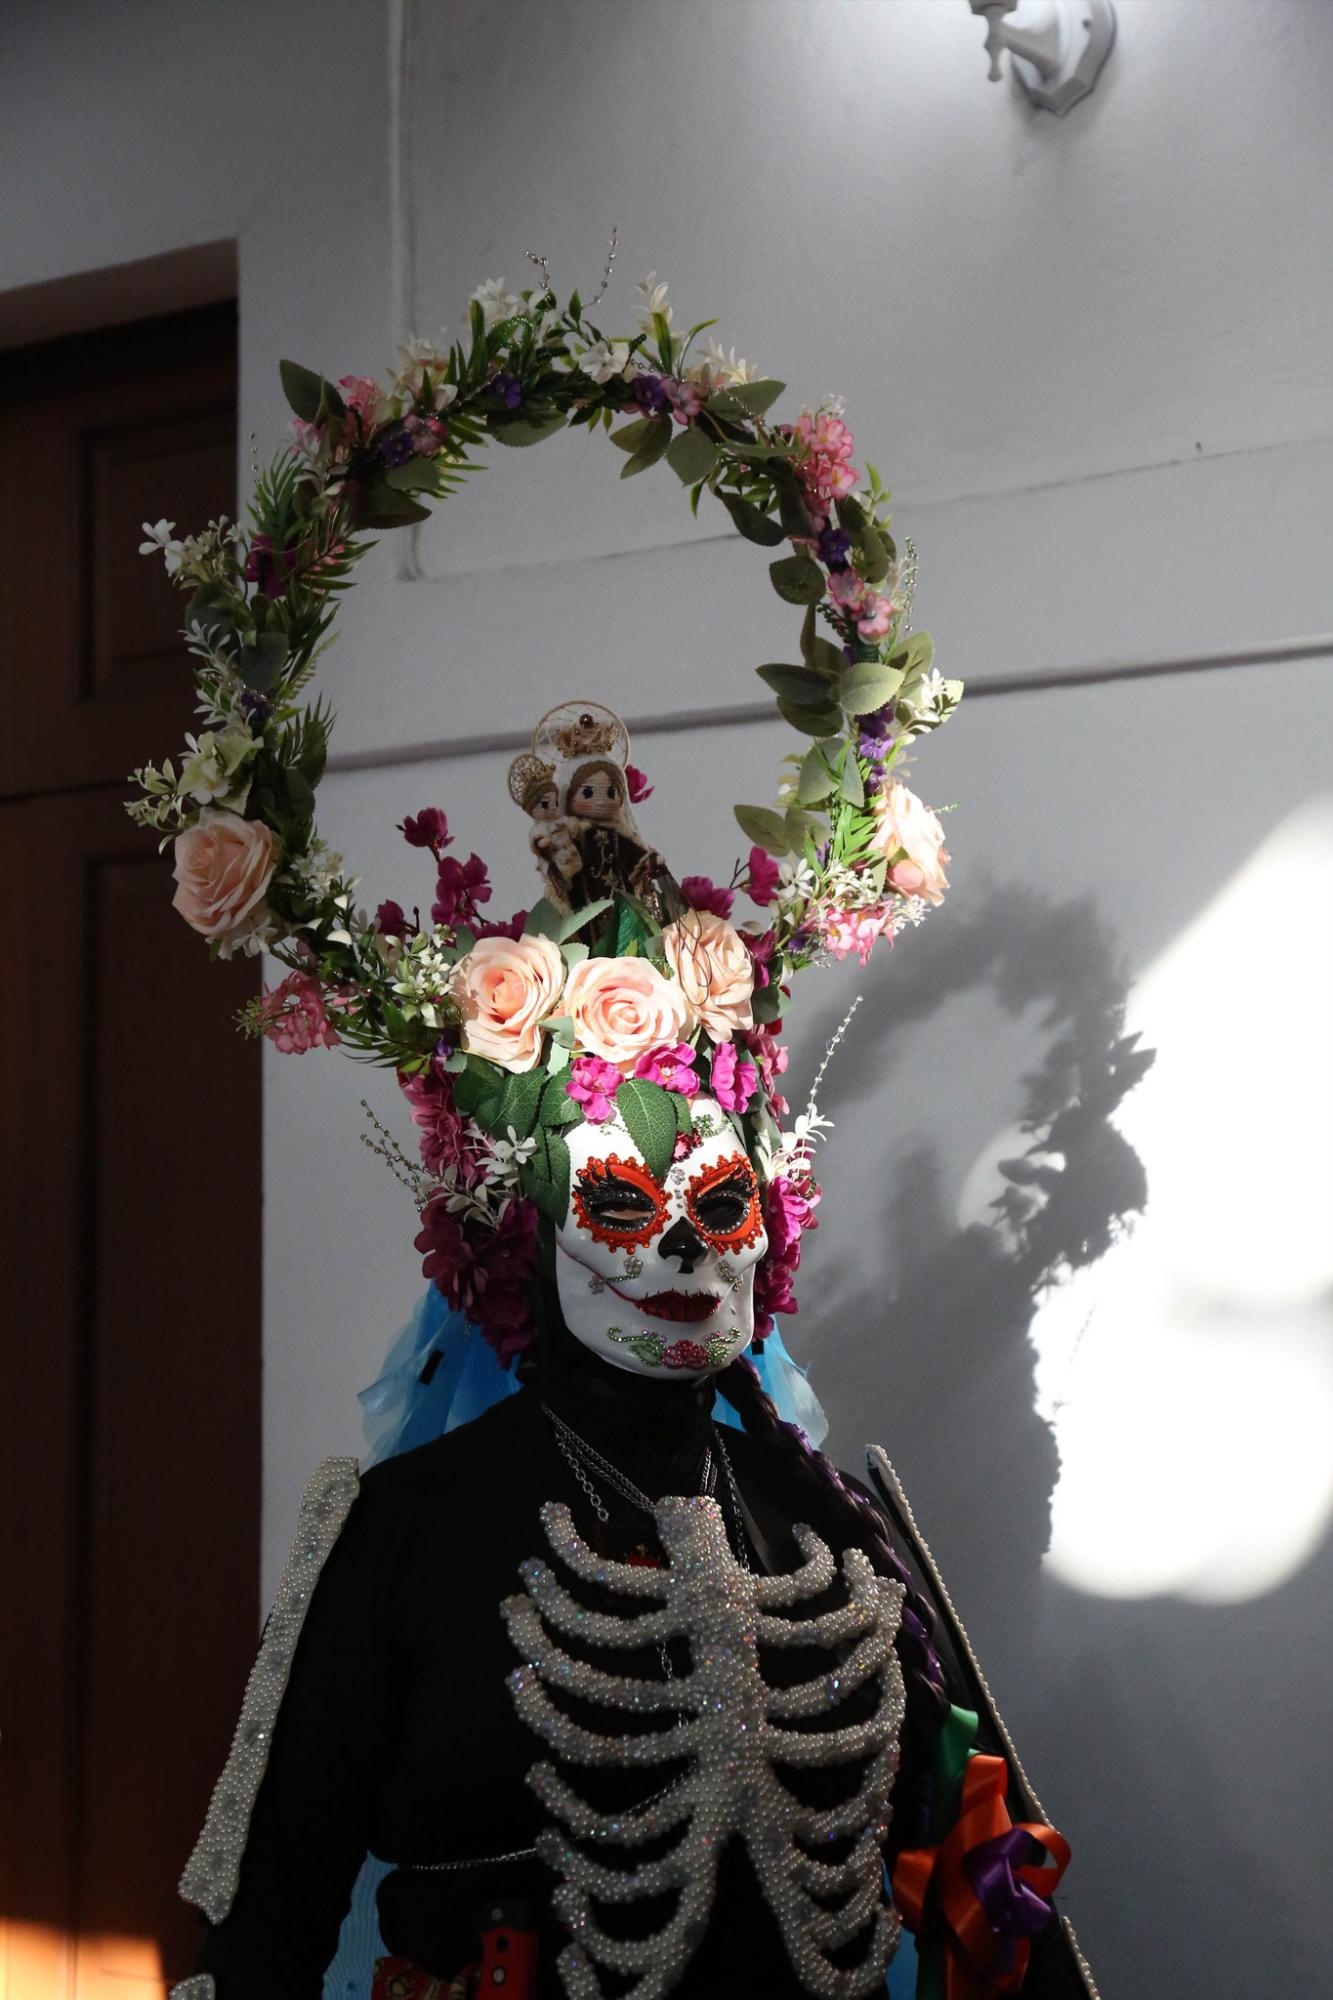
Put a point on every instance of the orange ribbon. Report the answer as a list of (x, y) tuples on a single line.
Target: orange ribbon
[(972, 1944)]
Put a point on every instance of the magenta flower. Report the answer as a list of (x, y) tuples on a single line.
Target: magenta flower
[(788, 1213), (847, 931), (391, 921), (876, 616), (293, 1016), (513, 928), (639, 788), (732, 1082), (271, 568), (427, 434), (703, 894), (761, 954), (459, 887), (447, 1138), (761, 884), (593, 1084), (847, 589), (485, 1273), (670, 1064), (771, 1059), (686, 401), (428, 828)]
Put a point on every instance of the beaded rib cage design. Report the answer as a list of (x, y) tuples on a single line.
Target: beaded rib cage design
[(212, 1871), (730, 1731)]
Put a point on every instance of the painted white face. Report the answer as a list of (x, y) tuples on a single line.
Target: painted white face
[(658, 1278)]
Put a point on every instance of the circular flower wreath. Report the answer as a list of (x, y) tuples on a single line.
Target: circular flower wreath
[(498, 1031)]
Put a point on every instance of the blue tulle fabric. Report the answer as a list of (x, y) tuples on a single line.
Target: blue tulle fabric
[(441, 1373)]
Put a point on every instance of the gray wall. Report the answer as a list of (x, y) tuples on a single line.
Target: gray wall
[(1091, 357)]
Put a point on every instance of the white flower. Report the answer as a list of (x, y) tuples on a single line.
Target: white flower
[(606, 358), (654, 301), (496, 303), (508, 1157), (212, 771), (796, 883), (161, 541), (725, 368)]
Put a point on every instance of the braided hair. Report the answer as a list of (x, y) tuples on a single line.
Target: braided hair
[(923, 1675)]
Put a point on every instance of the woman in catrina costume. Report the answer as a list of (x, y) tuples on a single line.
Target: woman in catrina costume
[(598, 1679)]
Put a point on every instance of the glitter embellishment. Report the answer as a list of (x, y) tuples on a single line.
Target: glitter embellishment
[(211, 1873), (730, 1729), (200, 1987)]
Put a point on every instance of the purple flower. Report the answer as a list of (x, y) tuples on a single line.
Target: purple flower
[(671, 1066), (703, 894), (833, 548), (256, 706), (761, 884), (879, 725), (761, 952), (460, 886), (396, 447), (639, 788), (271, 568), (650, 395), (733, 1082), (593, 1084), (505, 388), (428, 828)]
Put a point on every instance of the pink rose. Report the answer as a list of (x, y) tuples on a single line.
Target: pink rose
[(504, 988), (223, 865), (713, 970), (902, 822), (622, 1007)]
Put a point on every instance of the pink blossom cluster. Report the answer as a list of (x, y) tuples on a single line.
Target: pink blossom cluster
[(871, 609), (447, 1138), (761, 882), (789, 1210), (485, 1273), (671, 1066), (685, 398), (847, 931), (637, 785), (593, 1084), (770, 1060), (824, 470), (294, 1018), (732, 1080)]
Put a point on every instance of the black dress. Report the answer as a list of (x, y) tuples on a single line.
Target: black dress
[(397, 1732)]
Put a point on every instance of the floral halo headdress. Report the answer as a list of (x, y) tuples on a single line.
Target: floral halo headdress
[(621, 995)]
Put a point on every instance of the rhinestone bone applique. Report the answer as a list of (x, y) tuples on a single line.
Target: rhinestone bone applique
[(212, 1870), (200, 1987), (729, 1731)]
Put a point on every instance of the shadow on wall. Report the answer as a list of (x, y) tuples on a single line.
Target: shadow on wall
[(961, 1409)]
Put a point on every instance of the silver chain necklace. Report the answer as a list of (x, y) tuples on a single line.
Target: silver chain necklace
[(574, 1449)]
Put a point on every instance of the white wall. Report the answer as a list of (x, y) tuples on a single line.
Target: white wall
[(1091, 356)]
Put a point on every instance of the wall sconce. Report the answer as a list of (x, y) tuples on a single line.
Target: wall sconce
[(1058, 46)]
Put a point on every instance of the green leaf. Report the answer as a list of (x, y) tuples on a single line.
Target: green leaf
[(792, 510), (299, 794), (875, 558), (559, 1108), (851, 515), (630, 436), (766, 1003), (867, 685), (303, 389), (809, 630), (915, 656), (653, 447), (764, 827), (684, 1116), (260, 661), (567, 927), (522, 432), (385, 508), (544, 920), (797, 579), (522, 1098), (479, 1083), (417, 476), (691, 456), (796, 683), (754, 397), (800, 825), (811, 721), (754, 525), (816, 780), (852, 787), (650, 1121), (546, 1176), (826, 658)]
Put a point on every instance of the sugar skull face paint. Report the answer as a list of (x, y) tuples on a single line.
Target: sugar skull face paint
[(657, 1277)]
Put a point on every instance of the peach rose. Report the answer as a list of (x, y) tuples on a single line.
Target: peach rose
[(505, 988), (714, 970), (903, 822), (622, 1007), (223, 865)]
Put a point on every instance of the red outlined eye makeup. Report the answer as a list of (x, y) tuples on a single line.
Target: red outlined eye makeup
[(723, 1203), (618, 1202)]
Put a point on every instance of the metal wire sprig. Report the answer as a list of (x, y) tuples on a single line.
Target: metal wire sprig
[(404, 1169), (828, 1054)]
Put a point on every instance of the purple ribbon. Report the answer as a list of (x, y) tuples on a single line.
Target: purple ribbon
[(1012, 1909)]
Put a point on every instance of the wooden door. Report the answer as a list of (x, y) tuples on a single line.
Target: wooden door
[(130, 1222)]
